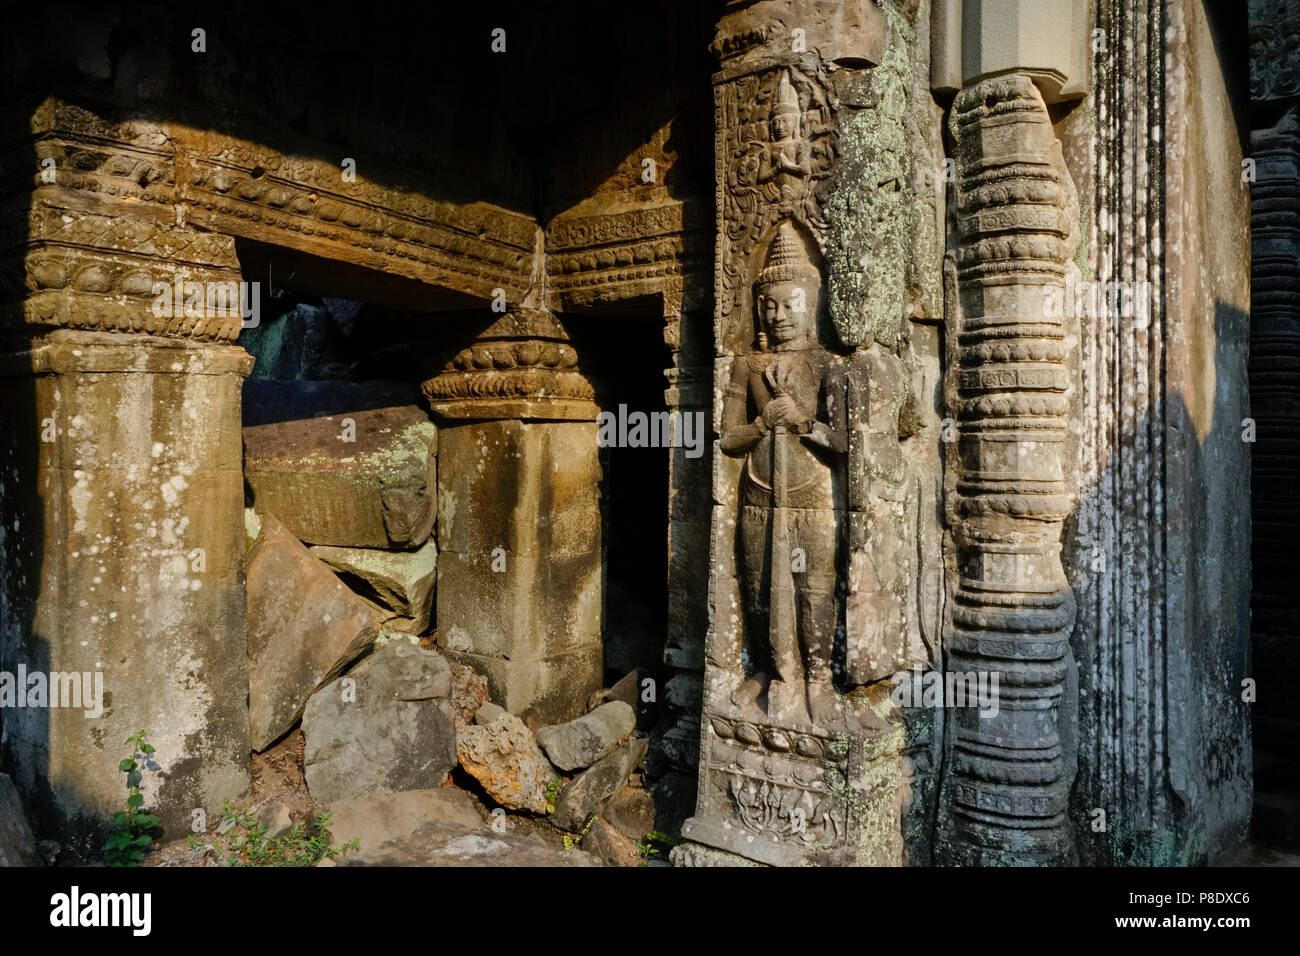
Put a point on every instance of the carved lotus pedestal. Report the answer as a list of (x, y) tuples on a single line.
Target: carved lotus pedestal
[(791, 797)]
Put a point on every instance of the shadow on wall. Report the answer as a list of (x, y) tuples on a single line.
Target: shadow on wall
[(1161, 574)]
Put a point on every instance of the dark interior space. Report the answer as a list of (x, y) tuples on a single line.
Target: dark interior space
[(634, 492)]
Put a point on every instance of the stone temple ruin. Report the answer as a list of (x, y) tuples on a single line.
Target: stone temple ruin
[(819, 432)]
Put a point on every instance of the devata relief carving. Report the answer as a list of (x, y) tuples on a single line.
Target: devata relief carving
[(784, 412), (814, 552)]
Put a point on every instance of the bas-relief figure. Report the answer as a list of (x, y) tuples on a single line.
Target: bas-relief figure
[(786, 413), (798, 765), (786, 160)]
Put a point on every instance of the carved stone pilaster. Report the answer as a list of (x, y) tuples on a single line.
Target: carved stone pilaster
[(689, 392), (813, 563), (1009, 379), (1275, 408)]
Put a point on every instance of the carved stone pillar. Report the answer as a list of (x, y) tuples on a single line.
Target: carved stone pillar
[(1008, 382), (519, 530), (122, 498), (813, 564)]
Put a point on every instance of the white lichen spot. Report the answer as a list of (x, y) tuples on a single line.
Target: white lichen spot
[(172, 487)]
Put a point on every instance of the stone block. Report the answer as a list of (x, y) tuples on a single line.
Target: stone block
[(399, 581), (505, 759), (304, 627), (377, 818), (610, 846), (377, 491), (529, 488), (631, 812), (444, 843), (586, 794), (530, 607), (541, 690), (391, 730), (583, 741), (519, 565)]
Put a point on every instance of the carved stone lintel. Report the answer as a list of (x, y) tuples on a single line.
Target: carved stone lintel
[(131, 202)]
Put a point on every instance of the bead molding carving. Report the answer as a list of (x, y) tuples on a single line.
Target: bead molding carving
[(521, 366)]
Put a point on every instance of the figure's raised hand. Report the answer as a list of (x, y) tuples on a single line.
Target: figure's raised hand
[(782, 411)]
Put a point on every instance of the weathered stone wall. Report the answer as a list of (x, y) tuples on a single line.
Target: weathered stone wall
[(1159, 554)]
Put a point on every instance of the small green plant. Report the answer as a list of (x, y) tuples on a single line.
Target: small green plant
[(127, 844), (571, 842), (304, 845), (553, 794), (655, 846)]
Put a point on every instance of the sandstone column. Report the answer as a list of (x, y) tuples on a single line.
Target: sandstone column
[(1012, 352), (519, 530), (122, 510)]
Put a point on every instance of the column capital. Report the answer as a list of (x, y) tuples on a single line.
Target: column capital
[(522, 366)]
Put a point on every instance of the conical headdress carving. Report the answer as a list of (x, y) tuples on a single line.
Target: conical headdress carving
[(787, 100), (787, 259)]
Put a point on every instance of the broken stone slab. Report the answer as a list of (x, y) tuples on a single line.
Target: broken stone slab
[(447, 843), (581, 742), (363, 479), (377, 818), (586, 794), (611, 847), (385, 727), (488, 713), (17, 841), (633, 691), (631, 812), (304, 627), (505, 759), (276, 819), (399, 581)]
